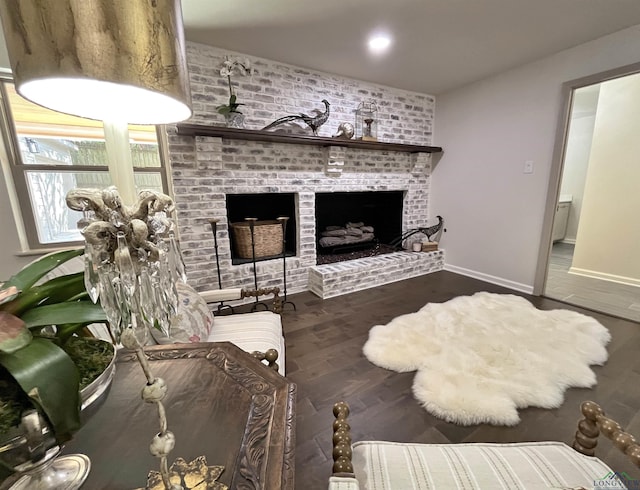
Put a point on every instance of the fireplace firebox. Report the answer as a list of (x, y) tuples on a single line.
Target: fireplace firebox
[(357, 220), (262, 207)]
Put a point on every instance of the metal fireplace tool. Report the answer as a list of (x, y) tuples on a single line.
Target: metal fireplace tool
[(252, 223), (214, 229), (283, 221)]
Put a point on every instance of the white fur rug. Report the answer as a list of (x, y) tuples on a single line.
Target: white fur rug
[(479, 358)]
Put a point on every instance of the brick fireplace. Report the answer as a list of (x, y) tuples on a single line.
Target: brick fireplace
[(207, 170)]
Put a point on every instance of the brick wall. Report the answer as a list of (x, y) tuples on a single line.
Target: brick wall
[(205, 169), (276, 89)]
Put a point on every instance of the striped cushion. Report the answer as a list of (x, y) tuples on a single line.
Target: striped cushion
[(343, 483), (259, 331), (527, 466)]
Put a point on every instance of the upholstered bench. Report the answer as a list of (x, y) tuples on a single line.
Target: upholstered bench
[(252, 332), (528, 465), (259, 333)]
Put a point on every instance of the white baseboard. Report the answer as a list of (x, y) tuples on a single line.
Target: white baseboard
[(628, 281), (523, 288)]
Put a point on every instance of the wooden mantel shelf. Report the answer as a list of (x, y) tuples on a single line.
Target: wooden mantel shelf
[(255, 135)]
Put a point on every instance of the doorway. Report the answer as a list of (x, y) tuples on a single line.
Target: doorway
[(594, 253)]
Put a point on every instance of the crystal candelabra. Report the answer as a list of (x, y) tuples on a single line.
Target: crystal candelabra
[(132, 263)]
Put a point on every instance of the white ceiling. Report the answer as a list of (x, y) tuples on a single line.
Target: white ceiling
[(438, 44)]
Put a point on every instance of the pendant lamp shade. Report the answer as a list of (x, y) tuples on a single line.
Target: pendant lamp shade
[(120, 60)]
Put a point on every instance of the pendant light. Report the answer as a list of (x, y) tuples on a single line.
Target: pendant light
[(100, 59)]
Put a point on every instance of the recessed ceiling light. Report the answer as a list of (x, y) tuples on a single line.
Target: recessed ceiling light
[(379, 43)]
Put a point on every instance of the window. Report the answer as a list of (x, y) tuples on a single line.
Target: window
[(52, 153)]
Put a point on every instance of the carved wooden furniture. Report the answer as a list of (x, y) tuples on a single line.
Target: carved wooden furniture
[(594, 423), (533, 465), (259, 333), (222, 295), (222, 403)]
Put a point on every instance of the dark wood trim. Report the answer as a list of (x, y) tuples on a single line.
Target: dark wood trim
[(255, 135), (594, 423), (342, 455)]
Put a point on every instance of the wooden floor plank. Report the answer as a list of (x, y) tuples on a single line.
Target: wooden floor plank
[(324, 357)]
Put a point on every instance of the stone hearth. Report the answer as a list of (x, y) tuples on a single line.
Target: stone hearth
[(331, 280)]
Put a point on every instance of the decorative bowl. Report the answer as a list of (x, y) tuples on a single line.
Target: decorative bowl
[(31, 448)]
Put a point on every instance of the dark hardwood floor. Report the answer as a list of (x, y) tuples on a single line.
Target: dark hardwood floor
[(324, 341)]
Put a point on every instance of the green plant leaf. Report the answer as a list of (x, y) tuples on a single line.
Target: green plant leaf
[(65, 331), (14, 334), (32, 273), (56, 290), (82, 313), (82, 296), (62, 288), (50, 378), (8, 294)]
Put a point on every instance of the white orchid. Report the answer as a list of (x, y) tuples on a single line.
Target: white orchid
[(243, 67)]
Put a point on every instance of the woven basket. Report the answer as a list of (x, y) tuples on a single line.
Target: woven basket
[(267, 238)]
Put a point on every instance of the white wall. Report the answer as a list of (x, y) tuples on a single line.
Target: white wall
[(611, 198), (493, 211), (577, 150), (10, 263)]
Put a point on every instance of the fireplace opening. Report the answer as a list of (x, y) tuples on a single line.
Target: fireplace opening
[(266, 208), (357, 224)]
